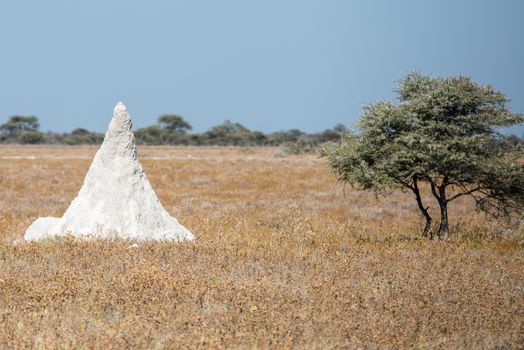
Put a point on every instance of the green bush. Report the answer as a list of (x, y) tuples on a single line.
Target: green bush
[(300, 146), (31, 137)]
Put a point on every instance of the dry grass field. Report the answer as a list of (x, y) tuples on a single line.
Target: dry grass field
[(285, 258)]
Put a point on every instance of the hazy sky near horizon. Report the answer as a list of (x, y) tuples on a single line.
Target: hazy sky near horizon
[(270, 65)]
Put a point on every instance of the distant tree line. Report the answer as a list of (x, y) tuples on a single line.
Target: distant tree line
[(25, 130), (173, 129)]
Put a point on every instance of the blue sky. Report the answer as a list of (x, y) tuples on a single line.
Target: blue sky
[(270, 65)]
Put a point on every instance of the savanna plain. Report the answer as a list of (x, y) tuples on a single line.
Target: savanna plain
[(284, 258)]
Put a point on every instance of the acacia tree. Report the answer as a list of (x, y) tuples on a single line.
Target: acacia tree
[(17, 124), (173, 122), (443, 132)]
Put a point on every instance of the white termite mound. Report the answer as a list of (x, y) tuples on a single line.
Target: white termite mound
[(116, 199)]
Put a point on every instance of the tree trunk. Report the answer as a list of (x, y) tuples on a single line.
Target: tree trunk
[(427, 228), (427, 233), (443, 230)]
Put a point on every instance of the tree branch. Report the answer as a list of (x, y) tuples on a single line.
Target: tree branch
[(464, 193), (445, 181), (427, 229), (404, 183), (434, 190)]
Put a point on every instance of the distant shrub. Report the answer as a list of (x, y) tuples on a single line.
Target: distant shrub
[(294, 148), (31, 137), (82, 136)]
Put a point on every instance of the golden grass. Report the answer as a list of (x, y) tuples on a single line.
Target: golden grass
[(285, 258)]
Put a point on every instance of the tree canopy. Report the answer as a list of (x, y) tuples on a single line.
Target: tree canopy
[(173, 122), (444, 131), (17, 124)]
